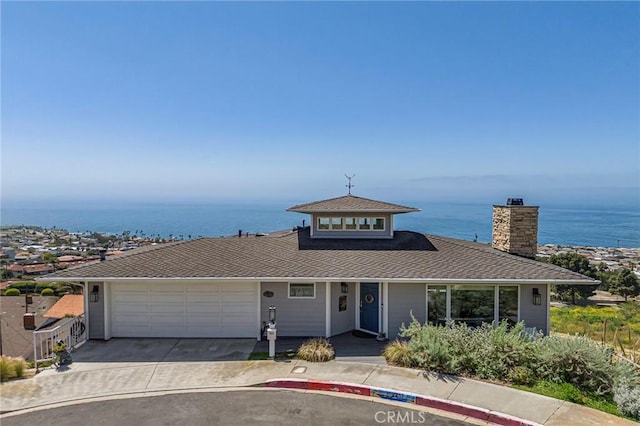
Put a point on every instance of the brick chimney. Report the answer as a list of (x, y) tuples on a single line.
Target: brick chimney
[(515, 228)]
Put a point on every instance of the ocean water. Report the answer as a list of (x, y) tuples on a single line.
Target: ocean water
[(610, 226)]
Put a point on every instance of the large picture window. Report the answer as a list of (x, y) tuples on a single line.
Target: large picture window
[(508, 304), (473, 304), (437, 304), (302, 291)]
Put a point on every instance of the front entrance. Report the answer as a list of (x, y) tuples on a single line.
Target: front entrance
[(369, 307)]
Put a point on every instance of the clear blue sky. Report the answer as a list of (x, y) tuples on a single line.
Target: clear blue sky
[(200, 100)]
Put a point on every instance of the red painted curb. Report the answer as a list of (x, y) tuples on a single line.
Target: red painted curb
[(407, 397)]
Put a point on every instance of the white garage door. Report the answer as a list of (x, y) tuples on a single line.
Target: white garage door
[(174, 309)]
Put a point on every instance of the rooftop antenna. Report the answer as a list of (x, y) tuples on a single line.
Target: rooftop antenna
[(349, 185)]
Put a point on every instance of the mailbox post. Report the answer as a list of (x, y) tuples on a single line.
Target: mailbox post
[(272, 332)]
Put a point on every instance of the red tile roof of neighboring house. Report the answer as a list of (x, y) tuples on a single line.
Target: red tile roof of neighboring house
[(69, 304), (70, 258), (33, 269), (15, 268)]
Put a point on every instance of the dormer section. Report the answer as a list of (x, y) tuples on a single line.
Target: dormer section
[(351, 217)]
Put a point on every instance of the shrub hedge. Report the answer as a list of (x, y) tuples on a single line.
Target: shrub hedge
[(12, 292), (510, 354)]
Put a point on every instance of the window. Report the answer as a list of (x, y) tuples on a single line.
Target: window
[(323, 223), (364, 223), (473, 304), (336, 223), (350, 223), (378, 223), (508, 304), (302, 291), (437, 304)]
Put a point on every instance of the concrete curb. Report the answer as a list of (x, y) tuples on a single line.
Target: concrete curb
[(405, 397)]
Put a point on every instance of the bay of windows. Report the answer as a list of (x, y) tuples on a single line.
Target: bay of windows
[(472, 304), (351, 223)]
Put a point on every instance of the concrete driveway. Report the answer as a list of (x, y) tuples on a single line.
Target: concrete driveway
[(120, 350)]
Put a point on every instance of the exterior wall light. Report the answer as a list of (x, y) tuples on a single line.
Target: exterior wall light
[(94, 295), (344, 287), (272, 314), (537, 297)]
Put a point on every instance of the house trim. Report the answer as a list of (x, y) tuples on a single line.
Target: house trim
[(327, 325), (304, 280)]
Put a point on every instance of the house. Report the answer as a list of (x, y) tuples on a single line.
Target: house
[(68, 305), (348, 270)]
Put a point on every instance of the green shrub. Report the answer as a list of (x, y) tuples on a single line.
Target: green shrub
[(487, 352), (582, 362), (47, 292), (316, 350), (397, 353), (627, 398), (12, 292)]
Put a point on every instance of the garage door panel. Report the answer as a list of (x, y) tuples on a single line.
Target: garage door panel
[(206, 288), (168, 287), (174, 308), (166, 320), (204, 308), (130, 297), (166, 298), (129, 308), (204, 320), (177, 309), (203, 298)]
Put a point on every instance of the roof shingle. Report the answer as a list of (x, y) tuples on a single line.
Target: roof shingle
[(351, 203), (292, 254)]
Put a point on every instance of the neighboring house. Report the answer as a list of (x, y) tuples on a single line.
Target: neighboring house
[(68, 305), (18, 271), (349, 270)]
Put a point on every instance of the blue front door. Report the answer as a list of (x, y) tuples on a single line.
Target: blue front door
[(369, 303)]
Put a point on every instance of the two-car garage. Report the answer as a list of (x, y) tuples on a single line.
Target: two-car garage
[(182, 309)]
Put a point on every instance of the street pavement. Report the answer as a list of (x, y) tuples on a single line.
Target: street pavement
[(229, 408), (86, 380)]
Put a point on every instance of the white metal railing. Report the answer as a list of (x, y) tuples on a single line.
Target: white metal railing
[(71, 331)]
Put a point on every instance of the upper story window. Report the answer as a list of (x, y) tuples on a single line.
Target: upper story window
[(351, 223), (336, 222)]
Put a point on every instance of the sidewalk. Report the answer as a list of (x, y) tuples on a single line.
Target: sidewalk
[(90, 380)]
